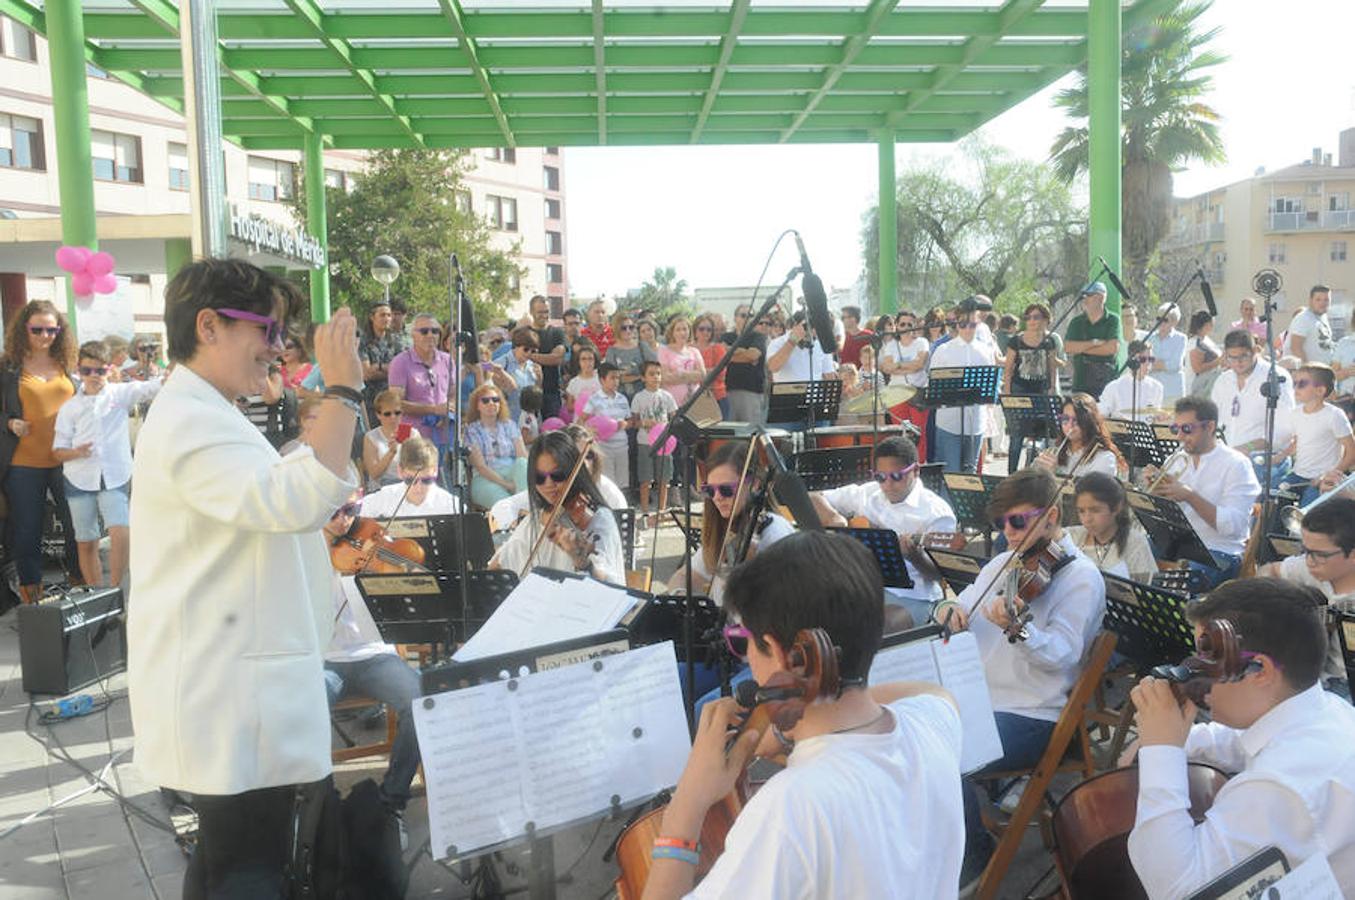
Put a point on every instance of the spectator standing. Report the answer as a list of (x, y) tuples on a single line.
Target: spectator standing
[(1206, 359), (1093, 339), (599, 331), (1031, 366), (147, 365), (95, 449), (35, 381), (379, 345), (518, 368), (497, 453), (1249, 320), (296, 362), (746, 376), (549, 355), (1169, 355), (712, 350), (382, 443), (608, 402), (1129, 324), (423, 374), (573, 328), (399, 329), (959, 430), (1344, 361), (1310, 332), (629, 355), (854, 337), (683, 369), (653, 406), (585, 374), (119, 352), (798, 356)]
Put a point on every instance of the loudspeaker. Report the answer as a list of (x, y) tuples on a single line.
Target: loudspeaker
[(71, 640)]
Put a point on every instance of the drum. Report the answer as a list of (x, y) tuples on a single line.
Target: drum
[(722, 434), (849, 435)]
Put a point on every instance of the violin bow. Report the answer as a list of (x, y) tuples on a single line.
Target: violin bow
[(739, 493), (555, 507)]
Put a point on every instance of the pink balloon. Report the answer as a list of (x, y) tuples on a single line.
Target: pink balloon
[(72, 259), (82, 284), (554, 423), (100, 264), (602, 426), (105, 284), (581, 403), (668, 446)]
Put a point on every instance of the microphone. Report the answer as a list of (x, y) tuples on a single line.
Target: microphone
[(1208, 293), (816, 301), (1114, 279)]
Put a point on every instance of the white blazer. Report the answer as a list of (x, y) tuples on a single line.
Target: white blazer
[(230, 609)]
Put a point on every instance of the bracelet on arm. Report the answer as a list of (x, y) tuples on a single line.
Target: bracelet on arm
[(682, 854), (355, 407), (344, 391), (677, 842)]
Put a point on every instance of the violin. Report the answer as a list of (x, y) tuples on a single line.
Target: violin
[(1218, 657), (779, 703), (571, 529), (367, 548), (1035, 570)]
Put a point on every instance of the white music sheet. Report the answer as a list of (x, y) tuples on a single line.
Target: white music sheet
[(956, 666), (543, 610), (549, 748)]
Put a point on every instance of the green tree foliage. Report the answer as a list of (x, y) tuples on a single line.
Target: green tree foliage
[(404, 204), (987, 223), (1164, 78), (662, 295)]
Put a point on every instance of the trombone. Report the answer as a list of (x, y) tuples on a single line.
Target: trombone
[(1290, 517)]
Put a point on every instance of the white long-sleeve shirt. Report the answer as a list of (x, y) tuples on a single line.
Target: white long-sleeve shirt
[(1225, 478), (1118, 399), (1032, 677), (1295, 790), (957, 353), (101, 420), (1248, 423)]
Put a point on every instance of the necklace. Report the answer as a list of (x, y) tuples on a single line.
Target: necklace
[(787, 744), (1101, 550), (883, 710)]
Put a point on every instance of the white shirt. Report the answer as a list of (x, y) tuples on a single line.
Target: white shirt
[(612, 406), (1344, 357), (1117, 398), (1103, 461), (1316, 333), (1295, 790), (607, 562), (356, 636), (957, 353), (922, 510), (1171, 352), (1295, 569), (1319, 435), (1249, 423), (1225, 478), (1137, 562), (1032, 677), (774, 529), (437, 502), (506, 512), (101, 420), (854, 816), (802, 364), (233, 607), (897, 351)]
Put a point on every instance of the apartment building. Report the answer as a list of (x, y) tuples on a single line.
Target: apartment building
[(141, 170), (1297, 220)]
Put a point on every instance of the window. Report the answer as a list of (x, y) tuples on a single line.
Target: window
[(552, 209), (94, 71), (503, 154), (502, 212), (117, 157), (555, 273), (1338, 202), (21, 143), (16, 41), (552, 178), (1276, 253), (514, 285), (1315, 188), (555, 243), (552, 151), (463, 203), (178, 167), (271, 179), (1338, 251), (334, 178), (1288, 205)]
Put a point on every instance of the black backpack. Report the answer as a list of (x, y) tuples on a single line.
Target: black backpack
[(346, 849)]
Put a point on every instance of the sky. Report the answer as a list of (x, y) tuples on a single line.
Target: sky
[(713, 213)]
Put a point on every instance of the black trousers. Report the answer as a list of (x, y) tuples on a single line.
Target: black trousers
[(244, 845)]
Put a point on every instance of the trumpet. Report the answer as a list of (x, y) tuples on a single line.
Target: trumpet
[(1290, 517), (1173, 466)]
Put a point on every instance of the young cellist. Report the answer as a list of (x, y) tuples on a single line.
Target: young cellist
[(868, 804)]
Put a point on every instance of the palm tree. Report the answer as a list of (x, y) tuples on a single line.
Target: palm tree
[(664, 293), (1166, 125)]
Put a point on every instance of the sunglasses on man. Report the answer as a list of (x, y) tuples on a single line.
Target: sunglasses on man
[(93, 370), (1020, 521), (895, 476), (421, 479), (1188, 428)]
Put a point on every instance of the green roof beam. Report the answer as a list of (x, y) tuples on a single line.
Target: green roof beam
[(600, 68), (738, 13), (452, 10)]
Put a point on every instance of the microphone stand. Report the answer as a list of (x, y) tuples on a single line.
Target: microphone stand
[(457, 292), (1272, 392)]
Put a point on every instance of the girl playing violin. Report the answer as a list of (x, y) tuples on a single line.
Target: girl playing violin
[(868, 804), (583, 536), (1028, 679), (417, 487)]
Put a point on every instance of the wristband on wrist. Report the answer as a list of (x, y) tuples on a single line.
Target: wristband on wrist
[(677, 842), (344, 391), (681, 854), (357, 409)]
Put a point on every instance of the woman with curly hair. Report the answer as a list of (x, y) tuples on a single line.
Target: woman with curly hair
[(1087, 446)]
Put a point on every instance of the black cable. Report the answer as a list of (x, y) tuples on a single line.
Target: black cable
[(591, 841)]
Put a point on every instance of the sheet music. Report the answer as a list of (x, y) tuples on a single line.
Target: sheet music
[(957, 667), (543, 610), (550, 747)]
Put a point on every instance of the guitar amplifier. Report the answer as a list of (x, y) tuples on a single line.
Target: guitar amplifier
[(71, 640)]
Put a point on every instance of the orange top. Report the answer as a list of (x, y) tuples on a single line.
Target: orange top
[(40, 401)]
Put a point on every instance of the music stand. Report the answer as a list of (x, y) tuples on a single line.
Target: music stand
[(1168, 529), (440, 537), (660, 618), (804, 402), (1285, 545), (962, 386), (1140, 443), (625, 523), (958, 570), (1033, 416), (1150, 622), (883, 543), (1345, 630), (833, 467), (933, 477), (969, 496), (426, 608)]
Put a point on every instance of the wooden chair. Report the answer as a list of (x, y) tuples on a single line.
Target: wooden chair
[(639, 579), (1071, 725), (359, 751)]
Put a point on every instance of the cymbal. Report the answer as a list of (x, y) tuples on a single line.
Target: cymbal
[(890, 395)]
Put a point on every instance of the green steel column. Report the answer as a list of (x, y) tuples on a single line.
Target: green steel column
[(316, 223), (70, 111), (1103, 94), (178, 253), (888, 263)]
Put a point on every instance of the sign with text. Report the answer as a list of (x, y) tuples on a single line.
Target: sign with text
[(266, 236)]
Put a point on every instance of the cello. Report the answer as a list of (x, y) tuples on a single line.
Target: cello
[(780, 703), (1092, 822)]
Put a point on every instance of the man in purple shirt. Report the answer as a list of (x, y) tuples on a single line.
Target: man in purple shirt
[(424, 374)]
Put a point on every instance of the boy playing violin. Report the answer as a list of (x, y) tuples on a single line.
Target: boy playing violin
[(1028, 678), (1291, 743), (868, 803)]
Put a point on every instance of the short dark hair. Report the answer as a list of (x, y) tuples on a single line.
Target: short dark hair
[(1033, 485), (1318, 289), (1280, 618), (571, 313), (217, 283), (530, 399), (535, 297), (1137, 346), (649, 364), (1239, 339), (1198, 320), (607, 368), (398, 306), (1336, 519), (96, 350), (853, 311), (1322, 374), (525, 337), (813, 579), (1205, 410), (897, 447), (1007, 321)]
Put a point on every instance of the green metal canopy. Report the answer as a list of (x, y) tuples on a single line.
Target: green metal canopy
[(368, 74)]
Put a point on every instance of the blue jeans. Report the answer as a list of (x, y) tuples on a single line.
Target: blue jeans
[(26, 489), (1307, 494), (1226, 566), (959, 453), (388, 679), (743, 674), (1023, 742)]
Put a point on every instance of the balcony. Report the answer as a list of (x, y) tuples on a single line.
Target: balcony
[(1197, 233), (1326, 220)]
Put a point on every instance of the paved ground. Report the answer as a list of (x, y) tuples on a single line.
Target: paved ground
[(91, 846)]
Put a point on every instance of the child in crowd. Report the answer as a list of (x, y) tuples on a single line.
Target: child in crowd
[(1323, 440), (610, 403), (95, 450), (417, 493), (585, 380), (653, 406), (530, 418)]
